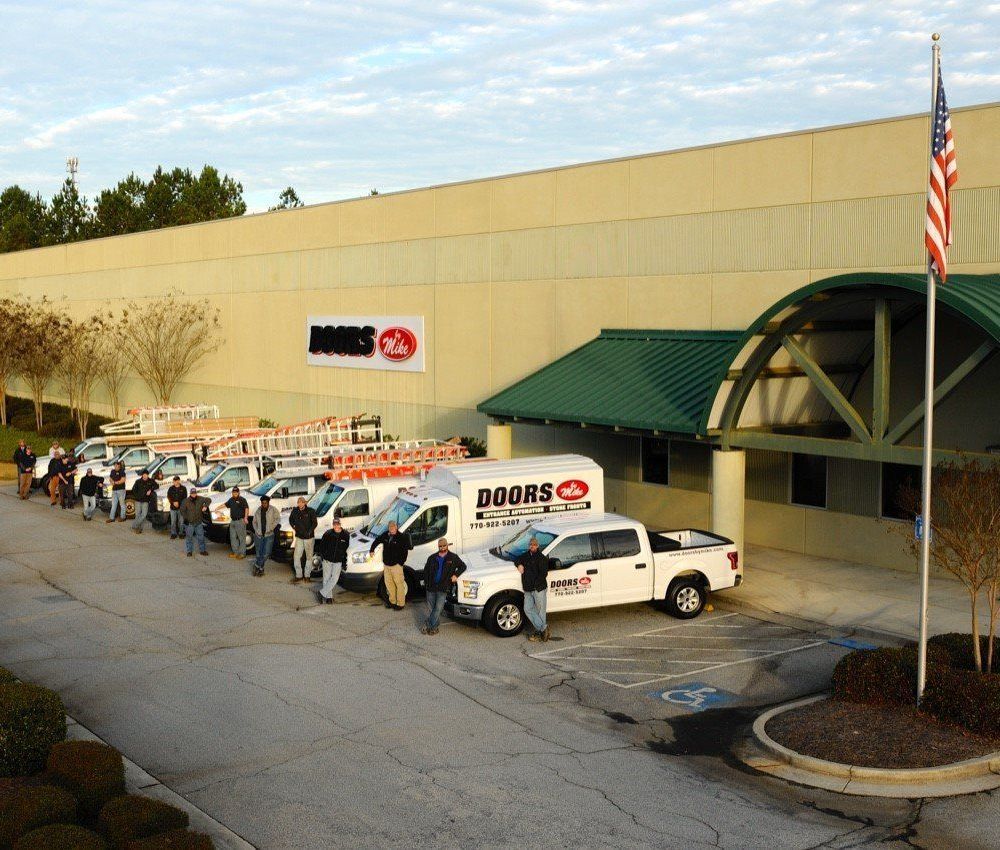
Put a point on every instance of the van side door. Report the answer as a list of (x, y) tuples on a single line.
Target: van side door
[(425, 529), (575, 577)]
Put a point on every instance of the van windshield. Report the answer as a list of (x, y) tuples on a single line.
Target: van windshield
[(325, 498), (265, 486), (518, 544), (89, 451), (210, 475), (398, 511)]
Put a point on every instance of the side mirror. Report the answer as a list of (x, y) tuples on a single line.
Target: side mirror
[(219, 487), (555, 564)]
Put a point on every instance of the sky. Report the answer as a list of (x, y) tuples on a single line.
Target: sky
[(336, 98)]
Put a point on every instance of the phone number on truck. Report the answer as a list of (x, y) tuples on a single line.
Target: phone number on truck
[(494, 523)]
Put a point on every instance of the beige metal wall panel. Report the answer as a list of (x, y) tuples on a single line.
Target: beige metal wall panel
[(767, 476), (320, 269), (868, 233), (411, 262), (738, 299), (884, 158), (362, 221), (362, 265), (977, 136), (675, 245), (667, 507), (522, 334), (576, 251), (770, 239), (462, 209), (463, 259), (612, 248), (671, 184), (523, 254), (690, 466), (670, 302), (409, 215), (858, 539), (526, 201), (780, 526), (976, 225), (592, 193), (852, 487), (584, 307), (763, 173), (462, 356), (532, 440)]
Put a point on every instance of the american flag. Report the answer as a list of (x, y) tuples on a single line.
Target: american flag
[(944, 175)]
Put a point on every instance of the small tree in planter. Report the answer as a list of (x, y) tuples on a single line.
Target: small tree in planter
[(43, 340), (965, 535)]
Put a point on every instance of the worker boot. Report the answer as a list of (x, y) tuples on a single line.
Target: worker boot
[(546, 635)]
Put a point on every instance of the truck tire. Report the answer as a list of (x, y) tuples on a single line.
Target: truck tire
[(504, 616), (686, 597), (381, 591)]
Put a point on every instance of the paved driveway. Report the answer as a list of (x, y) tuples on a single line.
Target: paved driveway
[(301, 726)]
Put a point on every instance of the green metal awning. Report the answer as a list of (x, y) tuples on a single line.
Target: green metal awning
[(628, 379)]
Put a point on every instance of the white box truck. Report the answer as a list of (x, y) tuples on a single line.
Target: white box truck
[(475, 504), (594, 561)]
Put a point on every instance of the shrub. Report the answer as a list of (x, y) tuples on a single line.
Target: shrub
[(132, 816), (958, 648), (92, 771), (176, 839), (884, 676), (6, 677), (32, 719), (27, 808), (61, 837), (964, 697)]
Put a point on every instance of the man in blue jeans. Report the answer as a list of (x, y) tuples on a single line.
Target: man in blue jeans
[(534, 569), (263, 525), (440, 572), (194, 511)]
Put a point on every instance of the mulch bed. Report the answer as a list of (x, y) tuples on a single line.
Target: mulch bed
[(875, 736)]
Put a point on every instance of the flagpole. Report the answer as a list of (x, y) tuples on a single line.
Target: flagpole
[(928, 456)]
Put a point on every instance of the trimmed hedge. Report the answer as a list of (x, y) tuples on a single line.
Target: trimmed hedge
[(92, 771), (61, 837), (176, 839), (129, 817), (965, 697), (32, 719), (958, 647), (30, 807), (6, 677), (884, 676)]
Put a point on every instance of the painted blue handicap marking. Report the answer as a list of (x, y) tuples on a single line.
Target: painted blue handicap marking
[(694, 696), (850, 643)]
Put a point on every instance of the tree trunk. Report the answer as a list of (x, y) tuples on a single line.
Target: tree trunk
[(993, 588), (83, 418), (3, 406), (976, 650), (37, 400)]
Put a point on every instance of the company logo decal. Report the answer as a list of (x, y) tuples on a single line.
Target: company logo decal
[(572, 490), (397, 344), (585, 580), (520, 500), (387, 343)]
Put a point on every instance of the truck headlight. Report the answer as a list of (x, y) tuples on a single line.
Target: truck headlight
[(286, 535), (470, 589), (220, 516), (361, 557)]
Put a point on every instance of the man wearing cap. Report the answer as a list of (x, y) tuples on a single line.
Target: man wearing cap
[(238, 512), (142, 493), (264, 525), (176, 493), (303, 521), (440, 572), (396, 546), (194, 511), (88, 492), (332, 548)]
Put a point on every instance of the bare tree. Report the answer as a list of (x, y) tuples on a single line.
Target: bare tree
[(78, 368), (12, 312), (40, 347), (111, 361), (165, 339), (965, 533)]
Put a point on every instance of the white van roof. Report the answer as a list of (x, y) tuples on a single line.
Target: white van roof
[(487, 470)]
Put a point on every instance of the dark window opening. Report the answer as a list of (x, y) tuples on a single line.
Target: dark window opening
[(809, 480), (655, 460), (896, 478)]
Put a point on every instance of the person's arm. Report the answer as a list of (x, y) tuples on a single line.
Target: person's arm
[(459, 569), (375, 544)]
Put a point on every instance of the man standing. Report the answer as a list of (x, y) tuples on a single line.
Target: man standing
[(54, 471), (67, 481), (264, 524), (534, 569), (238, 512), (117, 493), (88, 492), (303, 520), (332, 549), (395, 547), (440, 572), (24, 457), (176, 493), (194, 511), (142, 492)]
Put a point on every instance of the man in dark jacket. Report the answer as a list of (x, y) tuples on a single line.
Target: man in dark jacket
[(194, 512), (88, 492), (67, 481), (332, 548), (534, 569), (117, 479), (303, 520), (239, 513), (54, 468), (395, 547), (176, 493), (264, 525), (142, 492), (440, 572), (24, 457)]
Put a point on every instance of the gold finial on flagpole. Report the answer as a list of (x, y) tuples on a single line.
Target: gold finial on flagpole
[(936, 36)]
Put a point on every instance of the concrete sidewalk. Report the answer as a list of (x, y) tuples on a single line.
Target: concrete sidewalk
[(848, 596)]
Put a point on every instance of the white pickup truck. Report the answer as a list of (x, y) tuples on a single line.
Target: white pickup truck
[(596, 560)]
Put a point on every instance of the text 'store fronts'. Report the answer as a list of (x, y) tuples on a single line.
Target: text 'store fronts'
[(393, 343)]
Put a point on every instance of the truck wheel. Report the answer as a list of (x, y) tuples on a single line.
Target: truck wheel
[(504, 616), (685, 598), (381, 591), (414, 588)]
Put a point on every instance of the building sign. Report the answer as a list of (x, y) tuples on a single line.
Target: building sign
[(394, 343)]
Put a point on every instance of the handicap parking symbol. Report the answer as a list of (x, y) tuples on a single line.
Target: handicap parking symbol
[(694, 696)]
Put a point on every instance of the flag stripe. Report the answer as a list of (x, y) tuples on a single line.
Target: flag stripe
[(943, 175)]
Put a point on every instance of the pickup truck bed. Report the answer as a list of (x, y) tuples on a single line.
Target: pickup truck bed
[(688, 538)]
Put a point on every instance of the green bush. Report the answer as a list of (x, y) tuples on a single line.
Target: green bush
[(30, 807), (958, 647), (32, 719), (176, 839), (964, 697), (884, 676), (6, 677), (92, 771), (129, 817), (61, 837)]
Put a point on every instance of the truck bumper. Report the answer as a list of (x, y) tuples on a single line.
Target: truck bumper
[(464, 611), (360, 582), (217, 532)]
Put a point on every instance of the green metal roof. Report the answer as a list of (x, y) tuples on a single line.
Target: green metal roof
[(634, 379)]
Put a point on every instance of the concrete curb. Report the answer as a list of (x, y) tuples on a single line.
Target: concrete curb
[(138, 781), (768, 756)]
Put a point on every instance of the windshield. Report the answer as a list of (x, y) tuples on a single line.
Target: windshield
[(265, 487), (518, 544), (324, 498), (208, 476), (398, 511), (120, 454)]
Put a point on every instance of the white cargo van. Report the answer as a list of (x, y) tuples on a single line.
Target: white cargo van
[(475, 504), (595, 561)]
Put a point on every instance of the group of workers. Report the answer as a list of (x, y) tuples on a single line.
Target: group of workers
[(188, 513)]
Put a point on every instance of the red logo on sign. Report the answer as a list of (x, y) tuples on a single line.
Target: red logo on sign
[(572, 490), (585, 581), (397, 344)]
